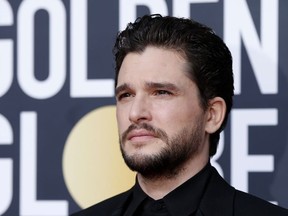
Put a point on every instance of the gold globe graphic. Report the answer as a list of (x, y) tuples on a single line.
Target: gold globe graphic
[(93, 167)]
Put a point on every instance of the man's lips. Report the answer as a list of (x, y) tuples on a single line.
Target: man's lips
[(140, 134)]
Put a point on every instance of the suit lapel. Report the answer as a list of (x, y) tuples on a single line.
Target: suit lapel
[(218, 198), (121, 207), (117, 212)]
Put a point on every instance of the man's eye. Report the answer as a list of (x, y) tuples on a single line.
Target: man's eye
[(162, 92), (123, 95)]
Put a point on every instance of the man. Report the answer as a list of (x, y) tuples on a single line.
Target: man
[(174, 89)]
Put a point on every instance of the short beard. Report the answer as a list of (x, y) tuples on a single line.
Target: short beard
[(170, 159)]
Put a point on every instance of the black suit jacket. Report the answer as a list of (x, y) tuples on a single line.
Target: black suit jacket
[(220, 199)]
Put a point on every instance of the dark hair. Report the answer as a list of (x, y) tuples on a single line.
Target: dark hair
[(209, 58)]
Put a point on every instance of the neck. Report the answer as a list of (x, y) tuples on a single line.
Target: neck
[(160, 186)]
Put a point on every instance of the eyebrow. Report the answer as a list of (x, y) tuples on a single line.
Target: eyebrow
[(122, 87), (149, 85), (164, 85)]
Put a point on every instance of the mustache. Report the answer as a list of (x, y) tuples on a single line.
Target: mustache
[(156, 131)]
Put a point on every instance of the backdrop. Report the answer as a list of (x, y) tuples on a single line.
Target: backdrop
[(58, 136)]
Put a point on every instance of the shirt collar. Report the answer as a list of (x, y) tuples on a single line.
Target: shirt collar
[(138, 197), (184, 200)]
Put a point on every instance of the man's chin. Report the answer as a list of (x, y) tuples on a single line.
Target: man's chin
[(137, 160), (145, 164)]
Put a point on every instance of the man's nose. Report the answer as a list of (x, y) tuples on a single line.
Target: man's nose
[(140, 109)]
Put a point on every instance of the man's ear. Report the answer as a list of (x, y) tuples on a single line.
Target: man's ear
[(215, 114)]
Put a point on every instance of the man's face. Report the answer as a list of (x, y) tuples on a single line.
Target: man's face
[(160, 120)]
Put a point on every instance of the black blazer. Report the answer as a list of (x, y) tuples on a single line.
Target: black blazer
[(220, 199)]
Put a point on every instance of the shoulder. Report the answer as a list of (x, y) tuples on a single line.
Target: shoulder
[(247, 204), (222, 197), (106, 207)]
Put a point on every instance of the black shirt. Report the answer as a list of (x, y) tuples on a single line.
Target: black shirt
[(182, 201)]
